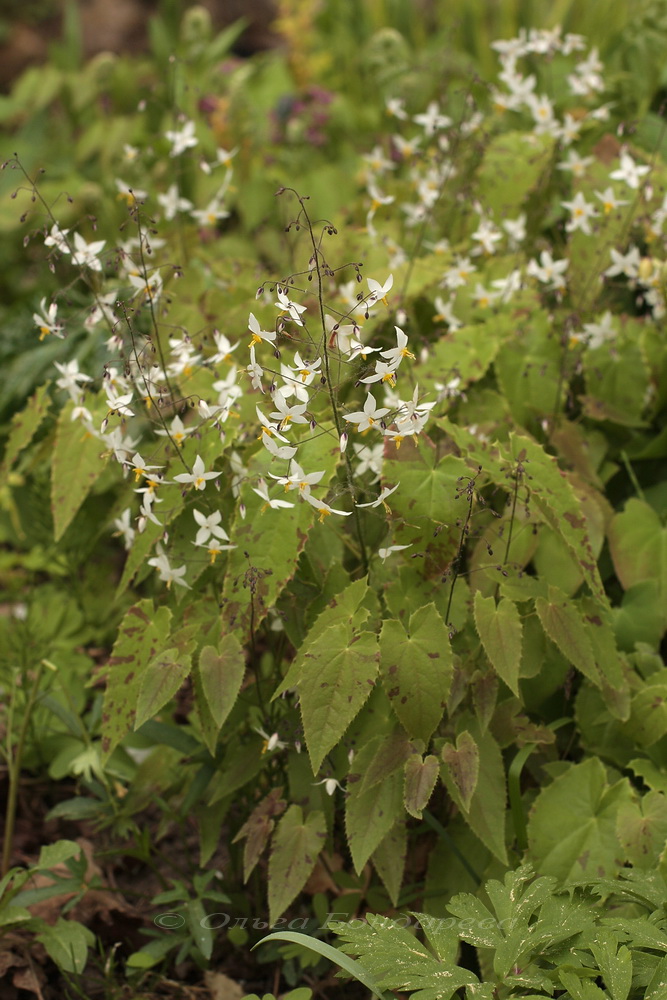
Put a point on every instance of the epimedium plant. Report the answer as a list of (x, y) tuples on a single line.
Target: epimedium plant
[(383, 572)]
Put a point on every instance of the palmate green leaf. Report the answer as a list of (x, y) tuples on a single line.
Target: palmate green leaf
[(426, 498), (420, 778), (142, 633), (221, 672), (160, 680), (25, 424), (334, 955), (572, 824), (486, 812), (416, 667), (389, 859), (642, 829), (503, 188), (269, 542), (465, 353), (462, 763), (617, 381), (499, 628), (614, 962), (370, 815), (295, 848), (339, 671), (657, 988), (78, 460), (580, 988), (528, 366), (648, 711), (638, 546), (398, 961)]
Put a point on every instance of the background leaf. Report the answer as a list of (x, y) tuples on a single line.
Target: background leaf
[(294, 850)]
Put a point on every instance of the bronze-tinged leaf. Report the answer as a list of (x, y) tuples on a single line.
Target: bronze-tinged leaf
[(420, 778), (462, 762), (258, 828)]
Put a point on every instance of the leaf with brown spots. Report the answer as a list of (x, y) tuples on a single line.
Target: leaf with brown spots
[(338, 676), (143, 632), (294, 850), (160, 681), (258, 828), (420, 778)]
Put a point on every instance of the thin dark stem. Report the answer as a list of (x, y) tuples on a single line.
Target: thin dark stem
[(327, 370)]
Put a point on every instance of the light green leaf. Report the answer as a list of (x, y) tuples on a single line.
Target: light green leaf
[(295, 848), (499, 628), (553, 494), (572, 824), (426, 498), (78, 461), (638, 546), (642, 829), (416, 668), (200, 929), (160, 681), (648, 712), (563, 624), (480, 927), (420, 778), (142, 633), (51, 855), (462, 762), (657, 988), (370, 815), (25, 424), (221, 671), (67, 943), (389, 859), (614, 963), (269, 542), (334, 955), (338, 675), (398, 960), (501, 187), (580, 988), (345, 608)]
